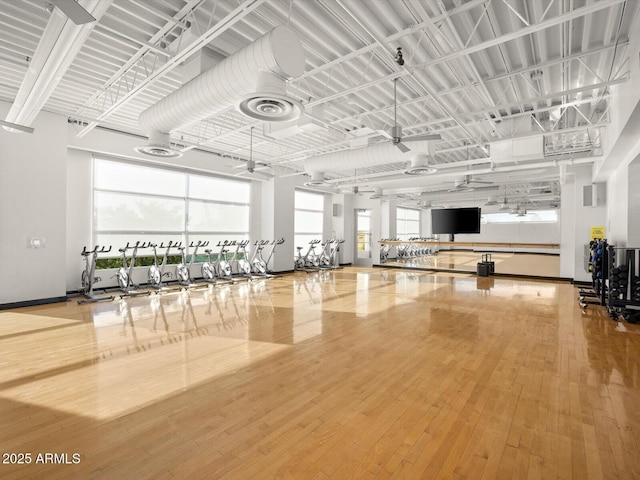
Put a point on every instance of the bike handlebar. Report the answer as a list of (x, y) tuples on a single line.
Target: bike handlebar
[(199, 244), (96, 249)]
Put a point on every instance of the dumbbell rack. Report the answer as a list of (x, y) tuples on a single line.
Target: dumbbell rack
[(623, 295), (596, 262)]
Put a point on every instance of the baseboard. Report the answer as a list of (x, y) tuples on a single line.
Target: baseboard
[(31, 303)]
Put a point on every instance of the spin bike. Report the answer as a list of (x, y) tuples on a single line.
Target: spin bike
[(243, 267), (258, 265), (223, 267), (183, 269), (328, 258), (324, 260), (88, 275), (156, 271), (129, 289), (310, 261), (274, 244), (208, 268)]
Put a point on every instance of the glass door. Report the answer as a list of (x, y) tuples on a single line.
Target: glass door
[(363, 238)]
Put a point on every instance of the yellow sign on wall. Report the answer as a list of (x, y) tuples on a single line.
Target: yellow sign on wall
[(597, 232)]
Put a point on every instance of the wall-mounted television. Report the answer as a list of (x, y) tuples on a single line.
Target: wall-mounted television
[(455, 220)]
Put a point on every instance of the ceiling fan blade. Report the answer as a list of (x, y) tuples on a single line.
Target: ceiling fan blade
[(402, 148), (255, 175), (72, 9), (15, 126), (422, 138), (481, 182)]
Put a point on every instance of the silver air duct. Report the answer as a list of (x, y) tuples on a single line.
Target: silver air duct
[(253, 79), (378, 154), (420, 166), (317, 180)]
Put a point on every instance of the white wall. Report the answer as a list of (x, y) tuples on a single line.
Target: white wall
[(617, 207), (621, 136), (278, 212), (255, 215), (576, 231), (425, 222), (633, 207), (567, 226), (342, 225), (327, 224), (514, 232), (79, 214), (33, 204)]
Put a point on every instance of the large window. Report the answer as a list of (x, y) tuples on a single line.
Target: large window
[(134, 202), (309, 218), (408, 225)]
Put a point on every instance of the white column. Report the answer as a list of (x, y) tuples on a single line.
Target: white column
[(33, 196)]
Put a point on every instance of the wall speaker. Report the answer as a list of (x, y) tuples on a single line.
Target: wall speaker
[(336, 209), (593, 195)]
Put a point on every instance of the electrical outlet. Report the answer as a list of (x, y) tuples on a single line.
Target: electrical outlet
[(36, 242)]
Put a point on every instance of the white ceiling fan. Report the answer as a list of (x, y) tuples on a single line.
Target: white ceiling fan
[(467, 184), (250, 167), (72, 9), (395, 134)]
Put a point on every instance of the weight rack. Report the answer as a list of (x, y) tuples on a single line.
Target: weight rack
[(623, 294)]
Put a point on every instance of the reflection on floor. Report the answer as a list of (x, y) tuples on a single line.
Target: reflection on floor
[(529, 264), (357, 373)]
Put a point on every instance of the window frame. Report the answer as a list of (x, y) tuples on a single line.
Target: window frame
[(184, 232)]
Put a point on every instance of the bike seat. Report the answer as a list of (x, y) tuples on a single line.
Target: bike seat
[(299, 248), (122, 250)]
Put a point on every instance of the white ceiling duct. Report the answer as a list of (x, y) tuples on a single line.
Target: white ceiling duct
[(377, 193), (317, 180), (378, 154), (253, 78), (420, 166)]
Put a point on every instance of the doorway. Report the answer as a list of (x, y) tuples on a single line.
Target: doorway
[(363, 238)]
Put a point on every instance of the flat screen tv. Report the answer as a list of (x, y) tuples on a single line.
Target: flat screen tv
[(455, 220)]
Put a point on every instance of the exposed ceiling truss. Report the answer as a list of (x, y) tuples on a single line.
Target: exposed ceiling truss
[(475, 72)]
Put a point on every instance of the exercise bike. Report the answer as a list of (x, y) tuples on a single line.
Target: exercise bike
[(274, 244), (208, 268), (183, 269), (88, 275), (123, 274), (223, 267), (258, 265), (334, 249), (243, 267), (310, 261), (156, 271), (324, 260)]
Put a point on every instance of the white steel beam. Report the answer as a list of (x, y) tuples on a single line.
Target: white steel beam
[(227, 22)]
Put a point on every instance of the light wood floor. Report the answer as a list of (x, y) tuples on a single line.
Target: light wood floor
[(359, 373), (530, 264)]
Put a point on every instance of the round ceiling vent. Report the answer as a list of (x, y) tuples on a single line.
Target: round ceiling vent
[(420, 171), (269, 107), (419, 166), (317, 180), (159, 151)]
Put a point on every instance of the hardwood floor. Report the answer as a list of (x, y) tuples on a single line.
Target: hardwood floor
[(359, 373)]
